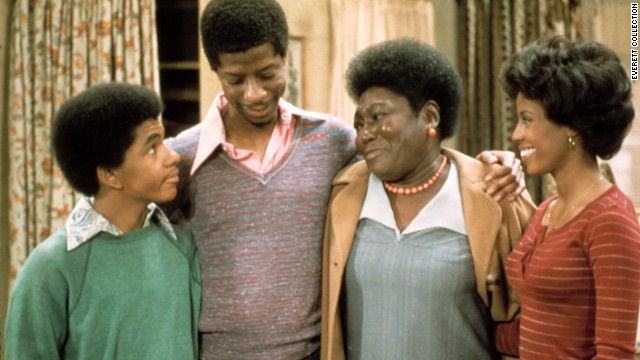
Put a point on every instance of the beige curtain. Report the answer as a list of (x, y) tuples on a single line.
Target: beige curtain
[(58, 48), (491, 31), (357, 24)]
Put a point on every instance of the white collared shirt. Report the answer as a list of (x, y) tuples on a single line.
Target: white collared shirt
[(444, 210), (85, 223)]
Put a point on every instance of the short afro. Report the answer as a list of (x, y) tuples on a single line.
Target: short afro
[(96, 127), (231, 26), (412, 69)]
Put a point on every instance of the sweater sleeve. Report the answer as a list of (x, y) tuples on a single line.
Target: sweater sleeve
[(36, 324), (507, 337), (613, 248)]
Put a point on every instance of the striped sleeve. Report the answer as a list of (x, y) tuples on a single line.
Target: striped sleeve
[(614, 254), (507, 337)]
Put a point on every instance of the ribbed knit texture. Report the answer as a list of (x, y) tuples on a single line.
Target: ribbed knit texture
[(579, 286), (259, 239), (131, 297)]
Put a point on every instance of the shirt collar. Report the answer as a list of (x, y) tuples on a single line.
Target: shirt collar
[(213, 134), (85, 223), (443, 211)]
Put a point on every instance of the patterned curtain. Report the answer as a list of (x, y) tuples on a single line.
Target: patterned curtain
[(58, 48), (490, 32), (357, 24)]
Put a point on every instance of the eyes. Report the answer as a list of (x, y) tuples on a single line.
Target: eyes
[(153, 147), (527, 116), (266, 76), (526, 120), (374, 118)]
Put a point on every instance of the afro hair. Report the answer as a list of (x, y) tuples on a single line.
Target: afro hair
[(412, 69), (96, 127), (231, 26)]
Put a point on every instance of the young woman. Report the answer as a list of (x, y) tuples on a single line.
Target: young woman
[(577, 269)]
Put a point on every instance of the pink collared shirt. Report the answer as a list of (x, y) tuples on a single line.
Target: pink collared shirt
[(213, 135)]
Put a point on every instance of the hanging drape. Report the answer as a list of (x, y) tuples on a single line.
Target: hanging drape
[(490, 32), (58, 48), (356, 24)]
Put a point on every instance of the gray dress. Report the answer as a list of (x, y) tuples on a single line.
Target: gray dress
[(412, 295)]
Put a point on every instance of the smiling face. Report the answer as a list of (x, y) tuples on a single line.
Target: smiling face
[(391, 136), (253, 82), (543, 144), (149, 172)]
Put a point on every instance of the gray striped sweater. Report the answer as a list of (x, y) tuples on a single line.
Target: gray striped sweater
[(259, 237)]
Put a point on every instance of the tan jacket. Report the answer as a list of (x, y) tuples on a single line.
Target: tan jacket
[(493, 230)]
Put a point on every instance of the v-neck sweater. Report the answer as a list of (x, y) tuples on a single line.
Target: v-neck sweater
[(259, 237)]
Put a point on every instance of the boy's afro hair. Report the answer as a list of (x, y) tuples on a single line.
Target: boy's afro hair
[(96, 127)]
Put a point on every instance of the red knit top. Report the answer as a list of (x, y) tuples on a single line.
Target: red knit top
[(579, 285)]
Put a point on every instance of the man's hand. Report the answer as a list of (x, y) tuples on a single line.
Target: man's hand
[(507, 180)]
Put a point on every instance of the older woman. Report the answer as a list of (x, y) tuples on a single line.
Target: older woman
[(414, 247), (577, 269)]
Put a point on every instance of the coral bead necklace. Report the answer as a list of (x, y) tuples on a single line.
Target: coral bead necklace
[(420, 188)]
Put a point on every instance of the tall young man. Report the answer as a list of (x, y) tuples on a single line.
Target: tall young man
[(255, 181)]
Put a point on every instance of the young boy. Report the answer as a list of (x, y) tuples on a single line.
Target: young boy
[(118, 281)]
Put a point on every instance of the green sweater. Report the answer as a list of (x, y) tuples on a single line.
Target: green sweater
[(136, 296)]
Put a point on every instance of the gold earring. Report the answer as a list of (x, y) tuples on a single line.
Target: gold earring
[(572, 142)]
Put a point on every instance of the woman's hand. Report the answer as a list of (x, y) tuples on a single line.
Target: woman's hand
[(508, 179)]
